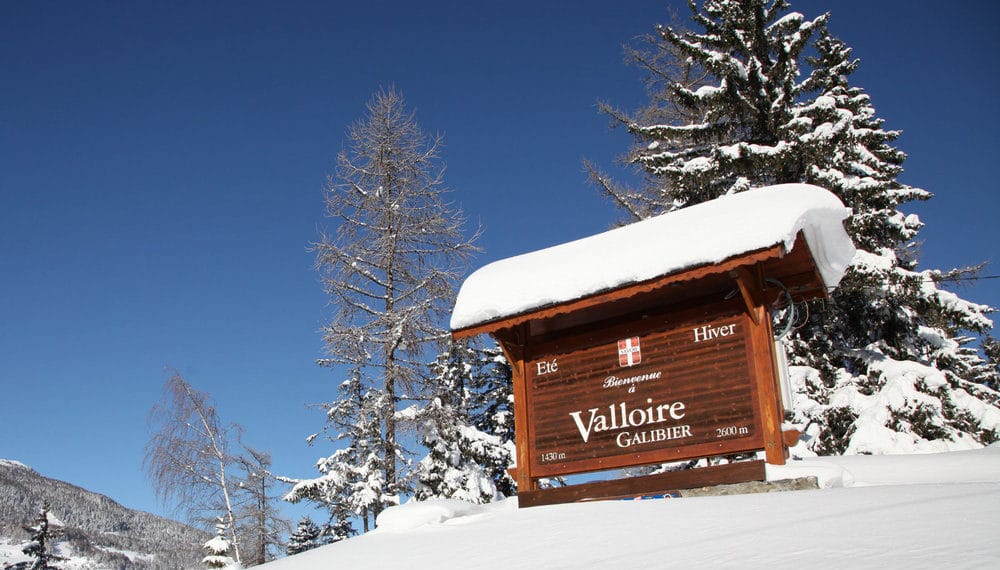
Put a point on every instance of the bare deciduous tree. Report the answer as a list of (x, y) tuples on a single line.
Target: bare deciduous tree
[(260, 523), (391, 268), (187, 457)]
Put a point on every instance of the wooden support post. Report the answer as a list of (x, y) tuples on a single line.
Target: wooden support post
[(761, 340), (512, 343)]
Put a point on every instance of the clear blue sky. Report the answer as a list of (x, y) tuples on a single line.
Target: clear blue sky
[(161, 166)]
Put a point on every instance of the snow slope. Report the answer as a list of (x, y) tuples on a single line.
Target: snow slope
[(881, 512)]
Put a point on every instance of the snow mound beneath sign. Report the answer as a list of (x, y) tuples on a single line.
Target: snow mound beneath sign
[(415, 514), (911, 511), (710, 232)]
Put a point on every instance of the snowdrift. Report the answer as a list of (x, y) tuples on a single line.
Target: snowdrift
[(911, 511)]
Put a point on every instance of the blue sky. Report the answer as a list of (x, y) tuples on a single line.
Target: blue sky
[(161, 167)]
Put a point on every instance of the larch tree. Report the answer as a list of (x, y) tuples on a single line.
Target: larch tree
[(390, 268), (759, 95), (261, 525)]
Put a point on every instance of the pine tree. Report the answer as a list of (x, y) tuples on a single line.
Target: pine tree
[(884, 305), (491, 406), (728, 137), (738, 116), (464, 461), (218, 548), (391, 267), (991, 374), (38, 547), (351, 481), (337, 529), (306, 536)]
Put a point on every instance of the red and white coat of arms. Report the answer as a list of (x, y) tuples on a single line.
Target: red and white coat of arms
[(629, 353)]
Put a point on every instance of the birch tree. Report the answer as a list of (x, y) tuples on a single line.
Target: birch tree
[(188, 458), (391, 265)]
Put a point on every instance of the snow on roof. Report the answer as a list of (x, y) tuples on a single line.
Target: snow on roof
[(708, 233)]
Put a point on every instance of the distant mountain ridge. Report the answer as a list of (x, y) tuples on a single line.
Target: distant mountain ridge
[(95, 527)]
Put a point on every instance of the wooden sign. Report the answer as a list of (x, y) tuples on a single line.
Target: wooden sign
[(661, 391), (662, 355)]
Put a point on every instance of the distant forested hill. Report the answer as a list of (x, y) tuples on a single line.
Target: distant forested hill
[(94, 526)]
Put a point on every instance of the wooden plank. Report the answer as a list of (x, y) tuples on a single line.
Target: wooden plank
[(646, 485), (630, 325)]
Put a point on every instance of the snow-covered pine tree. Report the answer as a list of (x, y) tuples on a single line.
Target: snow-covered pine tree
[(464, 461), (306, 536), (885, 364), (336, 530), (991, 347), (885, 307), (351, 481), (38, 546), (491, 406), (391, 267), (218, 549), (722, 137)]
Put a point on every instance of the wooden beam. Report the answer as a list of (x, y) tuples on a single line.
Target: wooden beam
[(749, 291), (765, 376), (750, 281), (646, 485), (512, 343)]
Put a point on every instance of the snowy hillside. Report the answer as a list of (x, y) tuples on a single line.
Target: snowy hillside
[(881, 512), (96, 532)]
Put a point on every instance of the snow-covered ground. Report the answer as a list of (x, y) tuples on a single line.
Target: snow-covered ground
[(904, 511), (10, 554)]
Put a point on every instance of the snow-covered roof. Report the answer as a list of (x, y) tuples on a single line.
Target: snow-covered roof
[(708, 233)]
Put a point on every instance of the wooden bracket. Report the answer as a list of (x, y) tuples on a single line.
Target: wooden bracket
[(751, 284), (791, 437)]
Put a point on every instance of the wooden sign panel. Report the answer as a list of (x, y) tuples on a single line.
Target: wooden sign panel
[(666, 392)]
